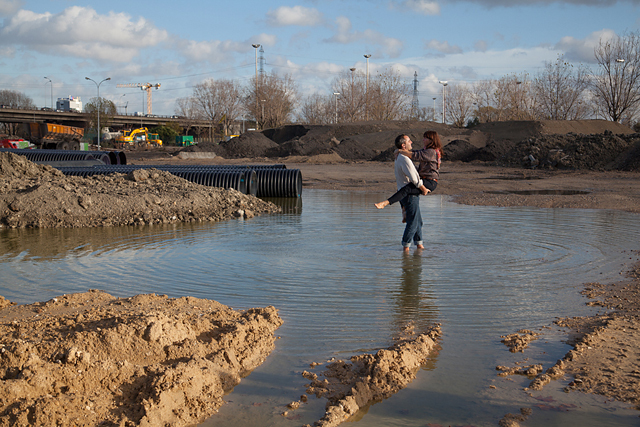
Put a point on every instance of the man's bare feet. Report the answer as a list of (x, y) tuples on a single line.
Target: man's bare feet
[(405, 250), (381, 205), (420, 246)]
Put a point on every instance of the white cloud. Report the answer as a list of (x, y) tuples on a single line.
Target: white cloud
[(516, 3), (9, 7), (389, 46), (424, 7), (583, 50), (481, 46), (214, 51), (442, 46), (82, 32), (296, 15)]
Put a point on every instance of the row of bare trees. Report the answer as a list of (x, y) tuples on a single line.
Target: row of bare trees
[(268, 101), (560, 91)]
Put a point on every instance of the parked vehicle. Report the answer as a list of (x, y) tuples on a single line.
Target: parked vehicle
[(140, 136), (54, 137), (14, 142)]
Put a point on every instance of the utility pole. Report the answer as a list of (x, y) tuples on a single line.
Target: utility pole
[(444, 84), (256, 46), (366, 93)]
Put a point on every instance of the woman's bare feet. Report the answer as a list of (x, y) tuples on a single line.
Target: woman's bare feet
[(381, 205), (420, 246)]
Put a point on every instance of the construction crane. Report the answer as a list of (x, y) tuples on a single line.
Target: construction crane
[(143, 86)]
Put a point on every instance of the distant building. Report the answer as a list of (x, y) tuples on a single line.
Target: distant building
[(72, 103)]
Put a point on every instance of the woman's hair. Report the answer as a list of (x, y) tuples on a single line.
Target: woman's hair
[(434, 140)]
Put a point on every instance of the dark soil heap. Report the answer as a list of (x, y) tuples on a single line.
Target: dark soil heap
[(579, 144), (40, 196)]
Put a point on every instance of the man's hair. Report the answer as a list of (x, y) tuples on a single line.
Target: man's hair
[(400, 140)]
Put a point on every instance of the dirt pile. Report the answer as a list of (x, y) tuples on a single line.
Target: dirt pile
[(92, 359), (348, 387), (579, 144), (40, 196)]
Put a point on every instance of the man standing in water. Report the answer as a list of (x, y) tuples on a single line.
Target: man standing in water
[(406, 173)]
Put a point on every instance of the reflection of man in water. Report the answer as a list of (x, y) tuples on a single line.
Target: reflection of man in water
[(414, 305)]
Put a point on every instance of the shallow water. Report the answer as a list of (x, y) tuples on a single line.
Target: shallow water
[(332, 265)]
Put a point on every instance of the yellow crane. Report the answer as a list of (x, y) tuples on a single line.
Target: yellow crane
[(143, 86)]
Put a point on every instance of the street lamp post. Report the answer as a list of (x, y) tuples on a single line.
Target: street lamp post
[(352, 114), (444, 84), (45, 104), (433, 117), (336, 97), (366, 92), (256, 46), (99, 103)]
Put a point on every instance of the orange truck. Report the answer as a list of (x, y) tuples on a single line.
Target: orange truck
[(53, 136)]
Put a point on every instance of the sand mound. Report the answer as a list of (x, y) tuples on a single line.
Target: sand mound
[(348, 387), (92, 359)]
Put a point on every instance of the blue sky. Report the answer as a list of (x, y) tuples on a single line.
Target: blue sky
[(314, 41)]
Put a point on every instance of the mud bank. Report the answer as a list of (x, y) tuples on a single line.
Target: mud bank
[(42, 197), (605, 359), (368, 378), (149, 360)]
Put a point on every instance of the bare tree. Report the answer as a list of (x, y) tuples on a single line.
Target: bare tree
[(186, 108), (13, 99), (459, 104), (277, 99), (559, 89), (107, 111), (617, 82), (351, 86), (389, 97), (513, 98), (317, 110), (217, 101), (483, 96)]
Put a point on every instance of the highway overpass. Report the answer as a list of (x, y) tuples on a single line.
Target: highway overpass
[(11, 115)]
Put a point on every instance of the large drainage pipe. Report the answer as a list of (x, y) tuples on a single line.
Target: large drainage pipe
[(258, 180), (44, 156), (264, 182)]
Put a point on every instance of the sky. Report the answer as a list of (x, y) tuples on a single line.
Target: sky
[(180, 44)]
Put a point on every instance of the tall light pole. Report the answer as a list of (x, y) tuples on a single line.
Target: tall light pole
[(336, 96), (352, 112), (256, 46), (45, 104), (99, 103), (433, 117), (366, 93), (444, 84)]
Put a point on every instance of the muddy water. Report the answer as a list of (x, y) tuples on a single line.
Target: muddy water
[(332, 264)]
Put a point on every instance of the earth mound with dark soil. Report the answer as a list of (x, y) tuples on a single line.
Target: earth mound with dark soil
[(580, 144)]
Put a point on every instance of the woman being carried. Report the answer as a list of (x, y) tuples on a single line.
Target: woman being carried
[(429, 159)]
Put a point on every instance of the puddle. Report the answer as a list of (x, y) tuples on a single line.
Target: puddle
[(516, 178), (542, 192), (333, 267)]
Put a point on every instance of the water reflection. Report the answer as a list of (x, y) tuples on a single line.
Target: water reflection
[(415, 303), (344, 287)]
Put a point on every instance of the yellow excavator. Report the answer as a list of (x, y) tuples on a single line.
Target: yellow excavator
[(140, 136)]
